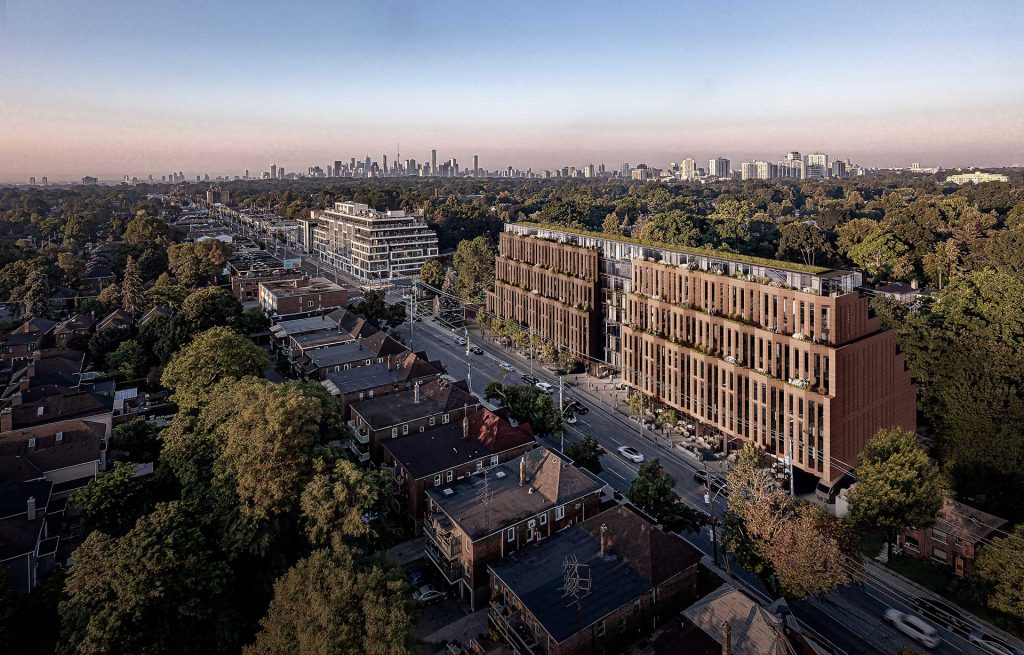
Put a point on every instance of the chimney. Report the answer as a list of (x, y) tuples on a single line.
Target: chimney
[(522, 471), (415, 390), (465, 427), (604, 538), (31, 507), (726, 638), (914, 283), (6, 420)]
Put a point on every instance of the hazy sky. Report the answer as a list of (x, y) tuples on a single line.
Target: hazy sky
[(114, 87)]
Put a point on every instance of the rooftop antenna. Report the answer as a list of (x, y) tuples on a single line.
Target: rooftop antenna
[(484, 495), (576, 579)]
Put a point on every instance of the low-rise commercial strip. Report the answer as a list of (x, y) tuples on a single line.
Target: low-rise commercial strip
[(785, 355)]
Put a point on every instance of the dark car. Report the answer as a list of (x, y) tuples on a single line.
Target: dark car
[(943, 613), (579, 408), (529, 379), (701, 477), (476, 350)]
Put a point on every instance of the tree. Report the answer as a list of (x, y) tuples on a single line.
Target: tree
[(373, 307), (214, 355), (528, 404), (344, 503), (132, 299), (636, 404), (71, 265), (999, 573), (432, 273), (474, 267), (167, 295), (882, 255), (137, 440), (548, 354), (568, 361), (653, 491), (494, 391), (34, 295), (804, 239), (112, 501), (666, 419), (142, 592), (210, 307), (819, 553), (331, 602), (611, 225), (129, 359), (145, 229), (897, 485), (586, 453), (110, 297), (188, 266)]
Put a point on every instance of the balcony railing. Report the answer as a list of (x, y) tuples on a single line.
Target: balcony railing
[(354, 447), (509, 625), (448, 547)]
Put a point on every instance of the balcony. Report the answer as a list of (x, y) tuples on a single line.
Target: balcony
[(511, 627), (363, 457)]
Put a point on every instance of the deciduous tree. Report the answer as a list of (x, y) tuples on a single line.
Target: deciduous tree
[(999, 573), (214, 355), (653, 491), (586, 453)]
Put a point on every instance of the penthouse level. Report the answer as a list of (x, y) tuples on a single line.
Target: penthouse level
[(786, 355)]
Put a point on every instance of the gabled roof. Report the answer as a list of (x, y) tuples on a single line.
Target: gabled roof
[(965, 521), (116, 319), (62, 404), (20, 459), (51, 367), (523, 487), (753, 629), (154, 313), (452, 444), (18, 535), (637, 557), (375, 375), (435, 397), (75, 323), (30, 332)]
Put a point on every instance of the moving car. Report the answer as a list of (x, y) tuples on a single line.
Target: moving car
[(545, 387), (913, 626), (570, 419), (989, 644), (579, 408), (508, 368), (630, 453), (460, 341), (529, 379), (427, 594)]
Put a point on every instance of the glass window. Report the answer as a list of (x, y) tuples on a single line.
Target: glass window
[(405, 429), (494, 460), (437, 480), (939, 536), (560, 512), (544, 518), (510, 534), (394, 432), (449, 476), (600, 628)]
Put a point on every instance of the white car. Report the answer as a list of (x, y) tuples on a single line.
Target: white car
[(632, 454), (571, 419), (990, 644), (508, 368), (460, 341), (545, 387), (427, 594), (913, 626)]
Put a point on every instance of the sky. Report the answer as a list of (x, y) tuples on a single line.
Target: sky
[(115, 87)]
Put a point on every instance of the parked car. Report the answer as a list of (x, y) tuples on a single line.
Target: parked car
[(630, 453), (508, 368), (989, 644), (620, 386), (701, 477), (427, 594), (545, 387), (529, 379), (913, 626)]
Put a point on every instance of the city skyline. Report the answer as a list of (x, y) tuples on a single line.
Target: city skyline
[(119, 88)]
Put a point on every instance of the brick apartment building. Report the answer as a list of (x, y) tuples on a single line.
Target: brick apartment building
[(451, 451), (955, 537), (637, 579), (528, 499), (284, 297), (785, 355)]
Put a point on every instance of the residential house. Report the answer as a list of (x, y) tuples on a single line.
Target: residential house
[(633, 578), (116, 320), (73, 330), (376, 348), (155, 312), (959, 530), (389, 416), (25, 532), (480, 519), (47, 369), (68, 453), (394, 374), (753, 629), (19, 344), (445, 453)]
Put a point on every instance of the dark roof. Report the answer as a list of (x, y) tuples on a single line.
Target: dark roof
[(65, 404), (382, 344), (324, 336), (18, 535), (435, 397), (444, 447), (376, 375), (965, 521), (76, 323), (638, 557), (30, 331), (338, 355), (116, 318), (81, 442), (53, 366), (154, 313), (523, 487)]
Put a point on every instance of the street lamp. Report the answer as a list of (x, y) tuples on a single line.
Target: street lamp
[(709, 500)]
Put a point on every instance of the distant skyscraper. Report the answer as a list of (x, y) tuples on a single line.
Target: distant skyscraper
[(718, 167), (624, 171), (46, 182), (273, 171), (384, 164), (433, 162), (816, 165), (32, 181), (794, 156), (337, 168), (766, 170), (839, 168), (280, 172), (688, 169), (476, 165)]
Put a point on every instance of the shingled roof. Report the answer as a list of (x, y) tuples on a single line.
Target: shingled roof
[(21, 458)]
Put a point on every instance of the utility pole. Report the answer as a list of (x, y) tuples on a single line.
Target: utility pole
[(412, 323), (789, 464), (529, 351), (710, 502), (469, 362), (561, 406)]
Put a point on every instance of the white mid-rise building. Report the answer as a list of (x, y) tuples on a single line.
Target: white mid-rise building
[(748, 170), (688, 169), (977, 178), (718, 167), (816, 165), (766, 170), (370, 245)]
